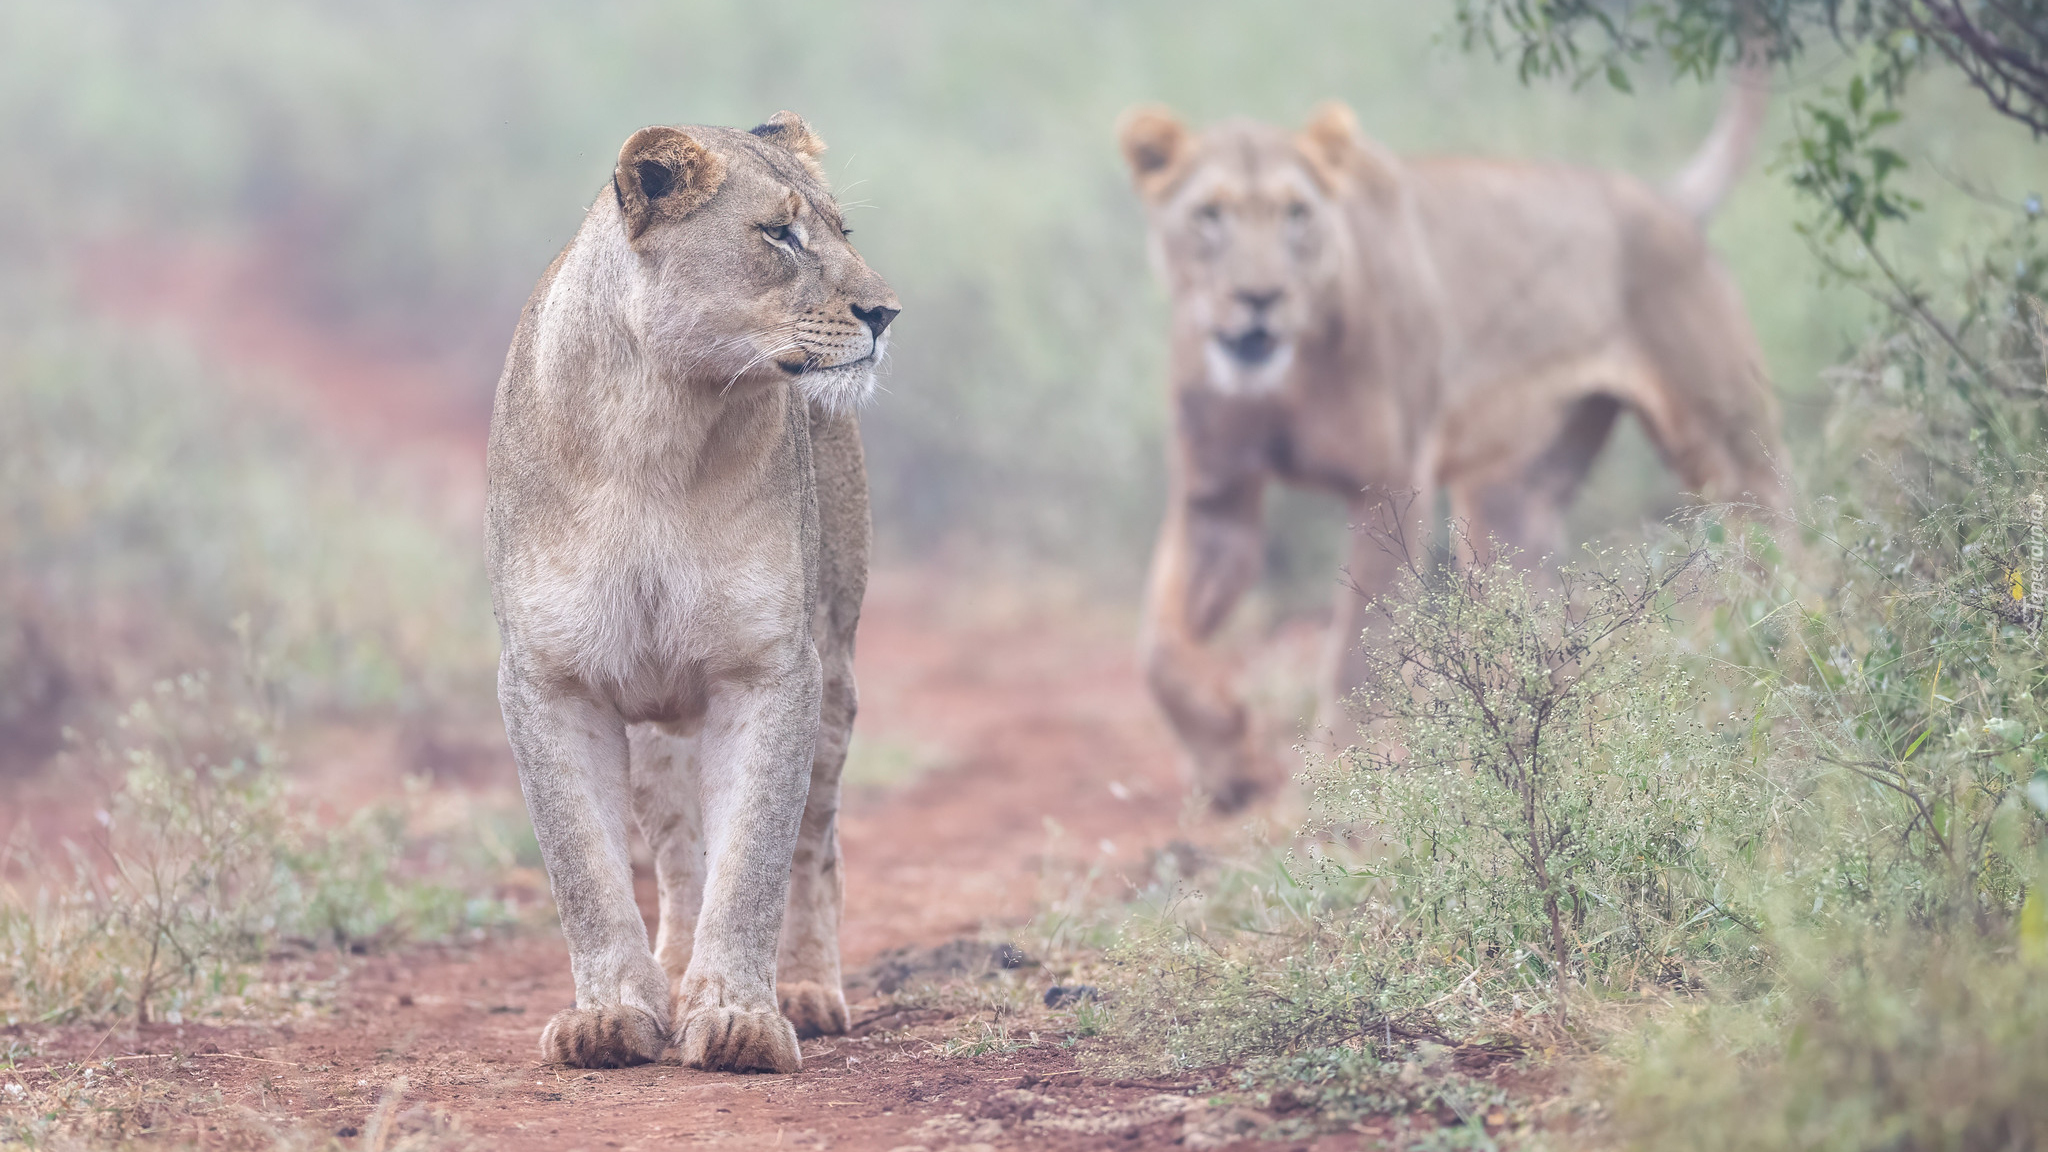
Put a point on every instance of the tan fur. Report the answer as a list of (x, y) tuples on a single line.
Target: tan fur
[(614, 1037), (1372, 326), (678, 535)]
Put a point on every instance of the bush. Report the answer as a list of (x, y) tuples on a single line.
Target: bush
[(1536, 788), (206, 863), (1871, 1040), (1536, 809), (1900, 875)]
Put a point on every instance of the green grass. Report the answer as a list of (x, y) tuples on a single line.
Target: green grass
[(207, 861)]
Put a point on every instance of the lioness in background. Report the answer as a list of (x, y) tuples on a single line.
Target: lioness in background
[(1376, 326), (678, 533)]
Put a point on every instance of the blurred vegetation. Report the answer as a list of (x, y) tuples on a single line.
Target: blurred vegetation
[(2000, 48), (206, 863), (152, 522), (417, 164)]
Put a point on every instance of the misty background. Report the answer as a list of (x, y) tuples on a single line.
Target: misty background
[(364, 194)]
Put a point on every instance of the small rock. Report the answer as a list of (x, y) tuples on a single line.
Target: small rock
[(1062, 995), (1178, 860), (1014, 1105), (1207, 1128), (903, 967)]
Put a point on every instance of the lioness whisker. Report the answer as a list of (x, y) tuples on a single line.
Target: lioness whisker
[(792, 346)]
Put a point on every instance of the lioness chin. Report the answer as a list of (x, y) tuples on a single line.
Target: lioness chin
[(1376, 327), (678, 538)]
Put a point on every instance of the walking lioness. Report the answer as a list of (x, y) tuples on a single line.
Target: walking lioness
[(678, 535), (1375, 327)]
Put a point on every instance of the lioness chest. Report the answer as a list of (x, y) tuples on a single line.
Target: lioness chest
[(650, 593)]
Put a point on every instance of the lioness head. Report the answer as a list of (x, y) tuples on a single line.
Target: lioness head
[(741, 269), (1249, 230)]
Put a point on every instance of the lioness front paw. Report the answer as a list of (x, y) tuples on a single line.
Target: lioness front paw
[(723, 1039), (602, 1038), (815, 1009)]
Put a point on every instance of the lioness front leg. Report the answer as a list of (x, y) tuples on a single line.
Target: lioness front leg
[(1210, 552), (1386, 535), (571, 752), (759, 736)]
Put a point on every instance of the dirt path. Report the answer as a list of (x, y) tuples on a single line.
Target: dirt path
[(1030, 716), (1005, 745)]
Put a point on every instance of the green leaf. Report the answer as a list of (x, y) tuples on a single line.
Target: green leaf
[(2037, 790), (2034, 927)]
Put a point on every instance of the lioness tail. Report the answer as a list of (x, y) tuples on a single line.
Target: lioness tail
[(1703, 183)]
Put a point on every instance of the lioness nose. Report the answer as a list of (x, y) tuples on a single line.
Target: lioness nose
[(1260, 301), (875, 318)]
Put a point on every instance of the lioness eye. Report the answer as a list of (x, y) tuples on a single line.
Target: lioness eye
[(780, 233), (1297, 211), (1208, 213)]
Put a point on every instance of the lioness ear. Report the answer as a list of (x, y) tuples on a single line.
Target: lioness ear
[(1155, 144), (788, 129), (1341, 153), (1332, 133), (663, 174)]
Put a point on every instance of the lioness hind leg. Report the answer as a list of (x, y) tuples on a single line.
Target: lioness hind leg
[(571, 754), (808, 978), (1524, 510), (669, 810), (1708, 404)]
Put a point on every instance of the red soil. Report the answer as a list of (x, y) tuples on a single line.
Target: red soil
[(1034, 716), (1046, 759)]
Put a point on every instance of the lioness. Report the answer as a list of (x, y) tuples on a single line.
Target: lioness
[(1375, 327), (678, 534)]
